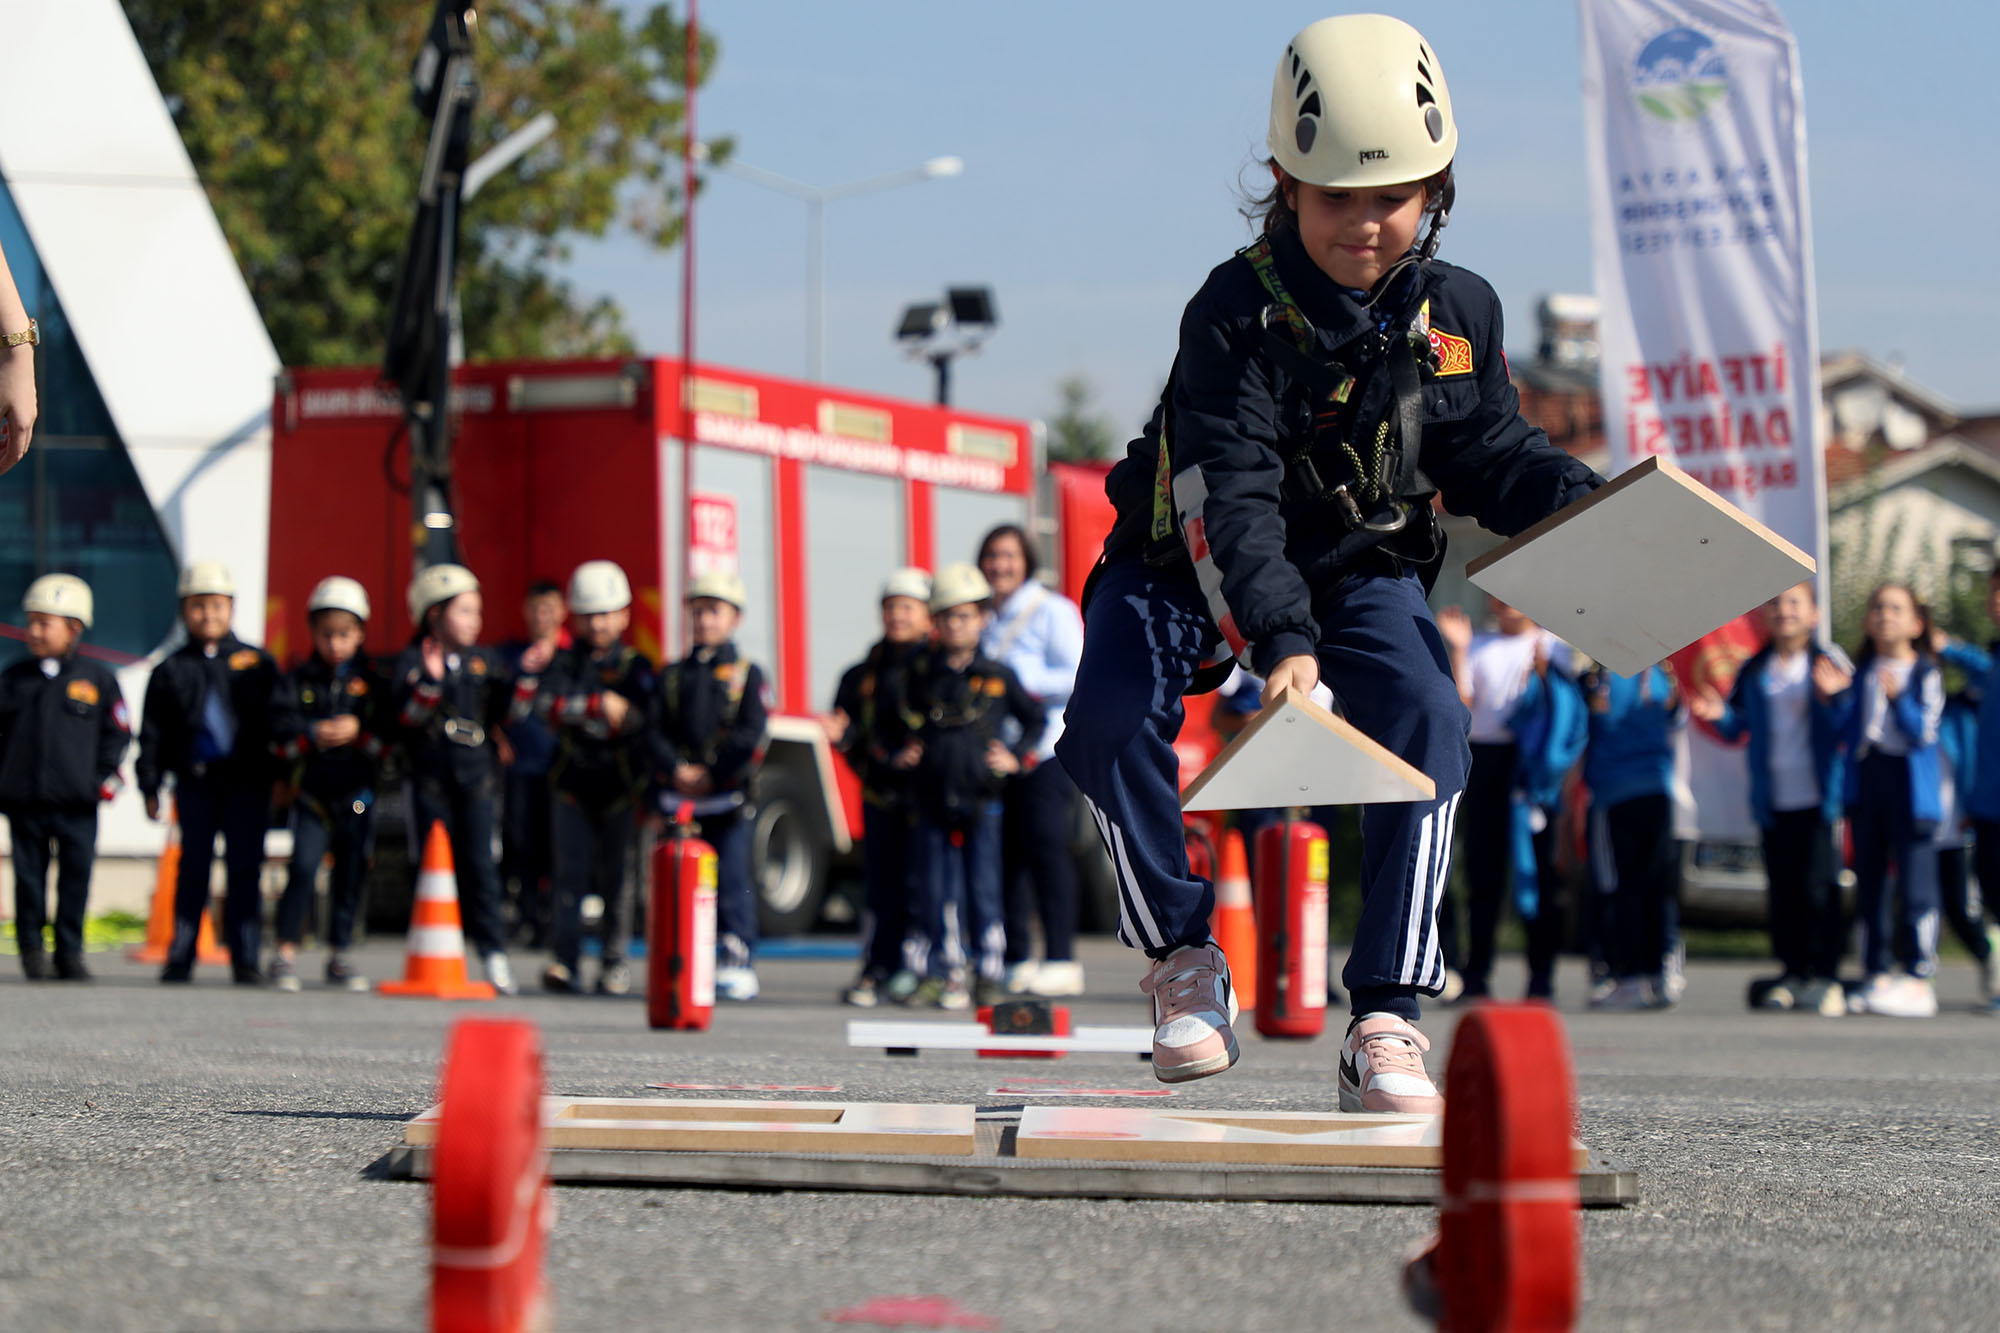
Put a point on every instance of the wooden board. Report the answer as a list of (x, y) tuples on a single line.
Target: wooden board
[(677, 1125), (1641, 568), (1259, 1138), (1297, 753), (919, 1036)]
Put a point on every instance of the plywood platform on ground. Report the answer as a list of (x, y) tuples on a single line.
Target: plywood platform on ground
[(997, 1164), (659, 1124)]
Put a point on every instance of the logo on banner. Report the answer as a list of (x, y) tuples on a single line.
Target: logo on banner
[(1679, 76)]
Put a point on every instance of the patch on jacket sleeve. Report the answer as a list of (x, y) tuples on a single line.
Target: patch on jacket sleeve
[(1454, 354), (83, 691), (243, 659)]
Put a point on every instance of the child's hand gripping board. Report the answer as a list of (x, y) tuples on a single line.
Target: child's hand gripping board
[(1641, 568), (1297, 753)]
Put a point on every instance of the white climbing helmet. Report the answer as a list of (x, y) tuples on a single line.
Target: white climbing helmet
[(957, 585), (438, 583), (1359, 101), (207, 578), (59, 595), (719, 584), (338, 593), (908, 582), (598, 586)]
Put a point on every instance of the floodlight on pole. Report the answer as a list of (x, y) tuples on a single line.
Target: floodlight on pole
[(506, 153), (816, 198)]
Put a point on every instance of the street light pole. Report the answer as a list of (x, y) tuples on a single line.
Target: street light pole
[(816, 198)]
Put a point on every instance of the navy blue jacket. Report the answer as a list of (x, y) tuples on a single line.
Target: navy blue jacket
[(1748, 712), (1633, 721), (1980, 798), (1916, 713), (175, 697), (62, 737), (1237, 413)]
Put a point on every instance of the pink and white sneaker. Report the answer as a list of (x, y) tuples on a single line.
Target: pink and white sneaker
[(1193, 1006), (1382, 1068)]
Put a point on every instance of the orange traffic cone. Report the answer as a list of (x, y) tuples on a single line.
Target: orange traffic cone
[(435, 961), (1235, 923), (160, 918)]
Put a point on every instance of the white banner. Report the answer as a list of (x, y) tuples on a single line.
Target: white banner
[(1702, 231)]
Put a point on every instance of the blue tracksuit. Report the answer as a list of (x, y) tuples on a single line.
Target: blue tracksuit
[(1748, 713), (1630, 770), (1226, 545), (1894, 804)]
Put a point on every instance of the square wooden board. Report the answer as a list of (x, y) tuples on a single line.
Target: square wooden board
[(690, 1125), (1641, 568), (1297, 753)]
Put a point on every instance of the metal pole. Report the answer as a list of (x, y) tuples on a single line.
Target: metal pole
[(942, 360), (670, 632), (816, 288)]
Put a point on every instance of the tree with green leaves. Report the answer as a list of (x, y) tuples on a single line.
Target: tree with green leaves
[(1077, 433), (299, 120)]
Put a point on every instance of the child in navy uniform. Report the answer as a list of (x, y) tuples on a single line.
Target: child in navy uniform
[(1630, 769), (1783, 700), (708, 737), (63, 733), (1332, 379), (870, 725), (531, 748), (327, 727), (958, 702), (451, 697), (207, 725), (595, 696), (1894, 788)]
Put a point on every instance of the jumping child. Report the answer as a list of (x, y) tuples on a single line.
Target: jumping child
[(1331, 379)]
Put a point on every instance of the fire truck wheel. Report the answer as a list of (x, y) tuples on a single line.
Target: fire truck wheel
[(489, 1191), (1507, 1252), (789, 854)]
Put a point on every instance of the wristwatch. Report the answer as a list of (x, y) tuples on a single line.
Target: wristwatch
[(32, 336)]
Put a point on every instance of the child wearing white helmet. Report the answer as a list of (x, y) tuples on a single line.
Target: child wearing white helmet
[(329, 724), (594, 695), (870, 725), (207, 725), (707, 734), (452, 696), (63, 733), (959, 704), (1334, 379)]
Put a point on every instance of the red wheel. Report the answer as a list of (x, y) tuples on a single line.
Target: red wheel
[(1507, 1225), (489, 1190)]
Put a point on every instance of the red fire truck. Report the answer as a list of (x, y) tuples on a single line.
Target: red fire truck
[(812, 493)]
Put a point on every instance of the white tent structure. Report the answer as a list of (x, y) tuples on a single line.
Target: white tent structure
[(126, 241)]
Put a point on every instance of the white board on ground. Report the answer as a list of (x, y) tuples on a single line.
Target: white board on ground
[(1641, 568), (1252, 1138), (661, 1124), (920, 1036), (1297, 753)]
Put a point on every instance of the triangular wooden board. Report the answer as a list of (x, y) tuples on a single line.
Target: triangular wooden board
[(1297, 753), (1641, 568)]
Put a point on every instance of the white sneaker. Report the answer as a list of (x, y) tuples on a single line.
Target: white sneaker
[(736, 983), (1055, 979), (1193, 1008), (1020, 977), (1382, 1068), (1631, 995), (1673, 975), (1824, 997), (1896, 997), (499, 974), (1989, 975)]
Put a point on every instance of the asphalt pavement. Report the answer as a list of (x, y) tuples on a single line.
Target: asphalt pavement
[(209, 1158)]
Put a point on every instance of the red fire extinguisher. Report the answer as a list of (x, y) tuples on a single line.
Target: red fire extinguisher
[(1291, 929), (680, 932)]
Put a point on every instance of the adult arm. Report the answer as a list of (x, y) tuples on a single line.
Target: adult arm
[(1050, 675), (17, 375)]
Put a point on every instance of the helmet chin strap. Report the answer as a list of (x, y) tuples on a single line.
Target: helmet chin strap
[(1423, 253)]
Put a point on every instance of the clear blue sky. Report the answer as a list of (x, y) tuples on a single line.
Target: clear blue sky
[(1104, 142)]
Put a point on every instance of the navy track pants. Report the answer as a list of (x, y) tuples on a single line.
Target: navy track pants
[(1145, 633)]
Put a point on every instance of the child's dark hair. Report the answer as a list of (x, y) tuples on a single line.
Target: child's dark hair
[(1019, 534), (1864, 653), (1270, 212), (543, 587)]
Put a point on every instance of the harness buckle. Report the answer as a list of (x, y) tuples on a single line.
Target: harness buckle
[(464, 731)]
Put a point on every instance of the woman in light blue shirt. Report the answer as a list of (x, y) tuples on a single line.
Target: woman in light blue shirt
[(1038, 634)]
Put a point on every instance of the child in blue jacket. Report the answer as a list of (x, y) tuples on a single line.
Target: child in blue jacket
[(1630, 770), (1889, 721), (1970, 737), (1549, 729), (1783, 700)]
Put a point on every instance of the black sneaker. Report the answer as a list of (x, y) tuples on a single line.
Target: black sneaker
[(69, 967), (986, 991), (616, 979), (559, 980), (865, 993), (342, 974), (246, 974), (35, 966), (284, 975), (177, 974)]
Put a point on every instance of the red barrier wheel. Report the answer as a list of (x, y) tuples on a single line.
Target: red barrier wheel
[(489, 1189), (1507, 1225)]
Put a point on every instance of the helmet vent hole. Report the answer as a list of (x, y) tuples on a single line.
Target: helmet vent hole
[(1423, 72), (1305, 82), (1434, 122), (1420, 47), (1425, 97), (1311, 107), (1306, 131), (1295, 60)]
